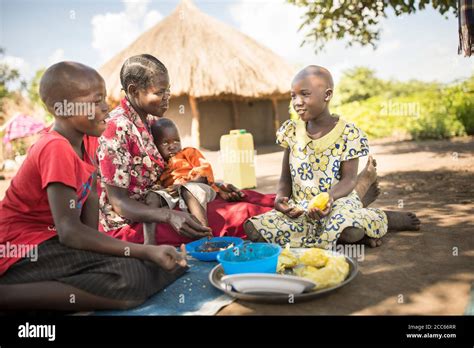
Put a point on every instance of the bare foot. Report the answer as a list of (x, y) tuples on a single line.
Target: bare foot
[(402, 221), (371, 242), (372, 193), (252, 233), (366, 178)]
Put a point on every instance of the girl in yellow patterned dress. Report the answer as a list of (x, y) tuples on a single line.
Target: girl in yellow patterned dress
[(321, 155)]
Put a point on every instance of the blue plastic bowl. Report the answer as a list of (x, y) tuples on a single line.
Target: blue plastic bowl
[(250, 258), (192, 248)]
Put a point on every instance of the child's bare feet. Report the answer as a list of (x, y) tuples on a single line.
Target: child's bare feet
[(252, 233), (372, 193), (402, 221), (371, 242), (366, 178), (354, 235)]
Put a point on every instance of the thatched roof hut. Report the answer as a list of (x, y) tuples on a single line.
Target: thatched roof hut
[(224, 78)]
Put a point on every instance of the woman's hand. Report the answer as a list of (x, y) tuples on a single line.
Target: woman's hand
[(167, 257), (229, 192), (318, 214), (281, 205), (187, 225)]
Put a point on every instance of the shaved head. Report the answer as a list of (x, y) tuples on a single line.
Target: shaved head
[(316, 71), (66, 81)]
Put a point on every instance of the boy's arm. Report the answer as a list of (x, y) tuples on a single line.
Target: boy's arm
[(348, 179), (75, 234), (90, 210)]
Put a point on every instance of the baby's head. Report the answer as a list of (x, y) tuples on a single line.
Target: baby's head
[(311, 90), (75, 95), (146, 82), (166, 137)]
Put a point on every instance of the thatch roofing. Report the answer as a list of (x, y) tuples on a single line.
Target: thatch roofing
[(206, 58)]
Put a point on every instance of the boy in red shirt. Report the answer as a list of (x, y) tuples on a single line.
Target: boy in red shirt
[(51, 254)]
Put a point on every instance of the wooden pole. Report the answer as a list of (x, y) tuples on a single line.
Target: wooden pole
[(195, 129), (235, 115), (276, 115)]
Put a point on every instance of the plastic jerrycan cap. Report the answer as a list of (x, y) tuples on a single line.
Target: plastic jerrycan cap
[(238, 131)]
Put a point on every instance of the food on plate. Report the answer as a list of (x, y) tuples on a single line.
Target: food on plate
[(322, 267), (286, 259), (320, 201), (333, 273), (314, 257)]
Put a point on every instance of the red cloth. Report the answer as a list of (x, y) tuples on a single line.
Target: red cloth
[(225, 218), (25, 216)]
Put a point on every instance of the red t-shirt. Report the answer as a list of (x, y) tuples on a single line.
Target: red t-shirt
[(25, 216)]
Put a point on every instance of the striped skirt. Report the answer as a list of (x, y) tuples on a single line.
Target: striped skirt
[(113, 277)]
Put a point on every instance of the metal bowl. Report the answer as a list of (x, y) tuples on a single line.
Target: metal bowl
[(216, 274)]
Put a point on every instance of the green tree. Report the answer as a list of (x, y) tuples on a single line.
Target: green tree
[(356, 20), (7, 75), (33, 88), (357, 84)]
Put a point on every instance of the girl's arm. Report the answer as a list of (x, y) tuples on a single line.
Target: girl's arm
[(182, 222), (284, 185), (284, 189), (348, 179), (74, 233)]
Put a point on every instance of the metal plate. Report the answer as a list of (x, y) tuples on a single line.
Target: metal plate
[(217, 273)]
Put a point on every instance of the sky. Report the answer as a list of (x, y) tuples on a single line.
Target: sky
[(38, 33)]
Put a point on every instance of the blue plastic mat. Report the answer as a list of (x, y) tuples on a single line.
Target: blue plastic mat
[(192, 294)]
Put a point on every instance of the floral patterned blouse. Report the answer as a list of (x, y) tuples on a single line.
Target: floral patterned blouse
[(129, 159), (315, 163)]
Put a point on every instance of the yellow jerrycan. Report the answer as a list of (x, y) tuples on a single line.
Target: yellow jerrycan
[(238, 159)]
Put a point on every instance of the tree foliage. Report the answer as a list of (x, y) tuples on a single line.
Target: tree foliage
[(357, 20)]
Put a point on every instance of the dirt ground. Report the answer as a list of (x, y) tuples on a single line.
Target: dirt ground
[(426, 272)]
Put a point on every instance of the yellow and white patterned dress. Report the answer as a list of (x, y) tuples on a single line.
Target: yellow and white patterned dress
[(315, 167)]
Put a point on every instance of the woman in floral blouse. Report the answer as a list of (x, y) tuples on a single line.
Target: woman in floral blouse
[(130, 166)]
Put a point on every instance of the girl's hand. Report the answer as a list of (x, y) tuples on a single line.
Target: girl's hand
[(229, 192), (318, 214), (281, 205), (167, 257)]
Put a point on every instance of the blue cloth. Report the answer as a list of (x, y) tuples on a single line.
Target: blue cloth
[(187, 295)]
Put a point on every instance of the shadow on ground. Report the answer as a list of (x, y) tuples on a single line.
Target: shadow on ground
[(425, 272)]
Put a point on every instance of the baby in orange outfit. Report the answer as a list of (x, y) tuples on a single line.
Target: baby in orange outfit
[(188, 180)]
